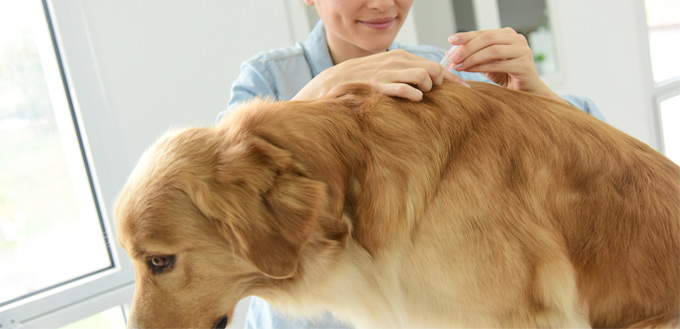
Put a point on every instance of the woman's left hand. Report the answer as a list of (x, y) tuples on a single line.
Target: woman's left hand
[(503, 55)]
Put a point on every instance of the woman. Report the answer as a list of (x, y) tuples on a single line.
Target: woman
[(354, 42)]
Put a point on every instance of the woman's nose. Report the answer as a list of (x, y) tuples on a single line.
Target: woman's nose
[(380, 4)]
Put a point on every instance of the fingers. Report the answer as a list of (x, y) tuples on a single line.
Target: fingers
[(413, 89), (395, 73), (448, 76), (401, 90), (418, 77), (497, 58), (408, 83), (503, 55), (415, 68), (405, 75), (479, 47), (496, 36)]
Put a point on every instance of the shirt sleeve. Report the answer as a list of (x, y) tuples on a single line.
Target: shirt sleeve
[(252, 82), (582, 103)]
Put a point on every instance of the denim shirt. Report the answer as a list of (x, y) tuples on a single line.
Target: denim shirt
[(281, 73)]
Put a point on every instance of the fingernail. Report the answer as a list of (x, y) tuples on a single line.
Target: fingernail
[(458, 66), (453, 38)]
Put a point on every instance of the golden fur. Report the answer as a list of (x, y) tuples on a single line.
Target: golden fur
[(479, 207)]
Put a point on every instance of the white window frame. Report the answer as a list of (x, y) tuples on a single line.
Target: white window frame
[(113, 287), (660, 93), (655, 92)]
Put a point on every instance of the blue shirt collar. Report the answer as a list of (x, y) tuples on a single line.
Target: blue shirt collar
[(316, 50)]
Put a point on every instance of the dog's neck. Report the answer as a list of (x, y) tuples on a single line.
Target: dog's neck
[(347, 283)]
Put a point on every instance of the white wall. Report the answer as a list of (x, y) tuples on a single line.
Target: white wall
[(171, 62), (604, 53)]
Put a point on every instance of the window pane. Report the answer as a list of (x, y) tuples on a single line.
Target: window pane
[(113, 318), (670, 121), (50, 230), (663, 21)]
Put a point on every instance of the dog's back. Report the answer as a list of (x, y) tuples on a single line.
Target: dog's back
[(561, 179), (514, 199)]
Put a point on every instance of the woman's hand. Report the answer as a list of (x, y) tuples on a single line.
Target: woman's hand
[(503, 55), (395, 73)]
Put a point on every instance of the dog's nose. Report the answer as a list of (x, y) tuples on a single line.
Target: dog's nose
[(221, 323)]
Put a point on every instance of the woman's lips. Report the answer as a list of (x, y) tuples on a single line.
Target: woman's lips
[(378, 24)]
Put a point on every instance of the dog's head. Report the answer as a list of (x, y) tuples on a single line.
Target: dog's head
[(208, 218)]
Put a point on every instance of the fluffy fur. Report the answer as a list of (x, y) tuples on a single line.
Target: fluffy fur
[(479, 207)]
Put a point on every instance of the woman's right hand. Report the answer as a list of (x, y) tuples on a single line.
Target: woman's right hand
[(395, 73)]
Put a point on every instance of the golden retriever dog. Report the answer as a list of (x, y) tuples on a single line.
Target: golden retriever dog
[(476, 207)]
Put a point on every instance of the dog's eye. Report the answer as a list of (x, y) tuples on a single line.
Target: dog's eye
[(160, 264)]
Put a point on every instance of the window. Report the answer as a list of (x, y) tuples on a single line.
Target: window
[(663, 24), (113, 318), (663, 27), (670, 121), (48, 213), (57, 264)]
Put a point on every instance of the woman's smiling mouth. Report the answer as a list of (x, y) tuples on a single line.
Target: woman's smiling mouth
[(379, 24)]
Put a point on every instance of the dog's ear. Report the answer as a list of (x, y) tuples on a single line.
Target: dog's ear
[(272, 227)]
